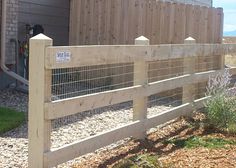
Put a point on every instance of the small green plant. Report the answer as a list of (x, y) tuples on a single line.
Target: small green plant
[(195, 142), (10, 119), (141, 161), (221, 106)]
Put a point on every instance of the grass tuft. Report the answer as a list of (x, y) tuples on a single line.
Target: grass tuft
[(141, 161), (195, 142), (10, 119)]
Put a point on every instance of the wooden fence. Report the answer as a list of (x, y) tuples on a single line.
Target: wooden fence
[(44, 58), (230, 60), (116, 22)]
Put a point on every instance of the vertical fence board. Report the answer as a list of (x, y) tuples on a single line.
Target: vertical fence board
[(131, 23), (162, 22), (153, 33), (73, 27), (219, 34), (171, 23), (197, 17), (189, 21), (148, 25)]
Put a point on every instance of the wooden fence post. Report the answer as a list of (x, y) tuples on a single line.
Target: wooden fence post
[(189, 67), (140, 78), (39, 93)]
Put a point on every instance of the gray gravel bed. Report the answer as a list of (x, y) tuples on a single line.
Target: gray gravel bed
[(14, 99), (14, 144)]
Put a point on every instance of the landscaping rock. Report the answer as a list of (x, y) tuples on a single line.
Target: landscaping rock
[(14, 144)]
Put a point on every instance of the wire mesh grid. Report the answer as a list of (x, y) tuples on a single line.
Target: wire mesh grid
[(74, 82), (164, 101), (230, 60), (68, 83), (207, 63), (82, 125), (160, 70)]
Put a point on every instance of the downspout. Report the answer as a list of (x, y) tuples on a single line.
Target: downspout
[(3, 47)]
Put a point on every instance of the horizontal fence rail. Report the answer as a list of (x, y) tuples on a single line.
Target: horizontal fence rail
[(43, 109), (100, 55)]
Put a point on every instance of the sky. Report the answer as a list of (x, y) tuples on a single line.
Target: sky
[(229, 13)]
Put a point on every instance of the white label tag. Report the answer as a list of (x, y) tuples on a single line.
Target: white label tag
[(62, 57)]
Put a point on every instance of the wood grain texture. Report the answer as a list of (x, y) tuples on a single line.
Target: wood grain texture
[(39, 92), (102, 55), (161, 22)]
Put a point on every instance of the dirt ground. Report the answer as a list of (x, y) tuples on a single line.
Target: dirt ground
[(169, 154)]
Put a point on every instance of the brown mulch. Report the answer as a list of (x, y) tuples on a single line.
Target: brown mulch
[(170, 154)]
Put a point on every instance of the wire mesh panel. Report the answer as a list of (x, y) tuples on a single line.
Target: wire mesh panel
[(81, 81), (89, 123), (72, 82), (164, 101), (206, 63), (159, 70)]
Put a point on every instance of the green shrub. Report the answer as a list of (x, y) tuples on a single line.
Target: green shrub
[(221, 106)]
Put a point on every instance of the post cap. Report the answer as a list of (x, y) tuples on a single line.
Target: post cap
[(142, 41), (190, 40), (41, 37)]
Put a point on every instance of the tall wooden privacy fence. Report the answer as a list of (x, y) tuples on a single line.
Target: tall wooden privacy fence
[(116, 22), (45, 58)]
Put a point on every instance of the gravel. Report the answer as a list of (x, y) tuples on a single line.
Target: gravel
[(14, 144), (14, 99)]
